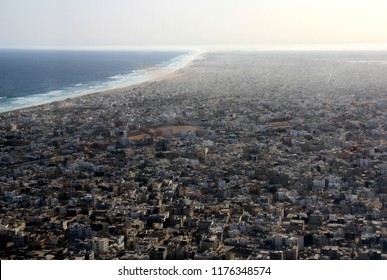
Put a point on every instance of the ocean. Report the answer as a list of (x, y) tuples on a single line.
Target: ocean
[(34, 77)]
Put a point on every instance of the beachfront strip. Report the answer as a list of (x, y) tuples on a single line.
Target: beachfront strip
[(219, 162)]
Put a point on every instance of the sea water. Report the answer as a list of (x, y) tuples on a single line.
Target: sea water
[(34, 77)]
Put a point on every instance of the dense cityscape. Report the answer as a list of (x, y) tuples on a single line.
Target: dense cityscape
[(261, 155)]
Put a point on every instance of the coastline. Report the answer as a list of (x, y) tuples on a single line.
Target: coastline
[(157, 74), (152, 74)]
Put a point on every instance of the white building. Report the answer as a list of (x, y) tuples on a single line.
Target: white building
[(100, 245)]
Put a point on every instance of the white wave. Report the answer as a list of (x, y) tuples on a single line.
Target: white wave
[(115, 76), (52, 93)]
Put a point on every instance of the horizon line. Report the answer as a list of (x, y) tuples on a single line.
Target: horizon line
[(219, 47)]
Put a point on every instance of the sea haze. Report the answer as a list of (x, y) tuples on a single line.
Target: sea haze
[(32, 77)]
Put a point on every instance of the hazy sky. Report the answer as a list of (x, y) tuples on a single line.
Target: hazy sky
[(152, 23)]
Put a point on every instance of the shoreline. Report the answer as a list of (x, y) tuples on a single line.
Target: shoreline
[(154, 74)]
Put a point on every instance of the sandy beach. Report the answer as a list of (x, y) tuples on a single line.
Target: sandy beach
[(25, 98)]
